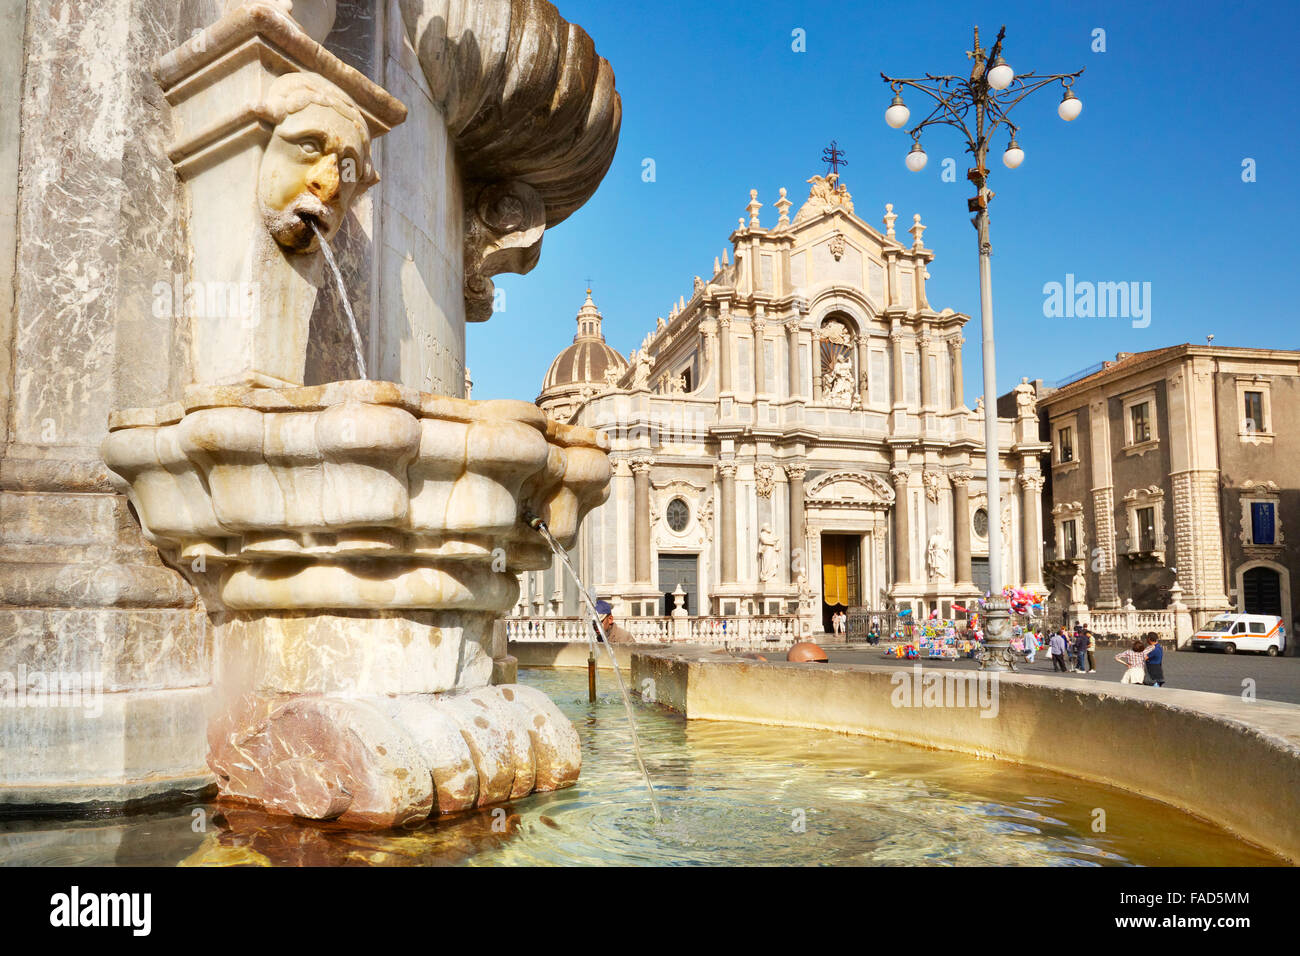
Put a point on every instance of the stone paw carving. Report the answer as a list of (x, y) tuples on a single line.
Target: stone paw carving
[(386, 761)]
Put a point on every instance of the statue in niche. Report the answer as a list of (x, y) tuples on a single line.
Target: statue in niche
[(838, 385), (769, 549), (937, 557), (317, 162)]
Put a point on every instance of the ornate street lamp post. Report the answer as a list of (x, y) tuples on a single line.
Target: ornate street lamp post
[(991, 91)]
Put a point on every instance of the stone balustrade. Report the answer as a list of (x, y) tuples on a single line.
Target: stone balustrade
[(764, 631)]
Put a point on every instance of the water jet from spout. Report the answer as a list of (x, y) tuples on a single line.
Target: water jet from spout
[(343, 295)]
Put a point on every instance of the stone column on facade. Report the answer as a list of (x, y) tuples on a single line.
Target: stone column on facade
[(958, 386), (724, 350), (758, 325), (923, 359), (896, 363), (864, 394), (727, 519), (1031, 527), (792, 355), (961, 526), (902, 538), (641, 518), (1103, 517), (816, 365), (795, 474)]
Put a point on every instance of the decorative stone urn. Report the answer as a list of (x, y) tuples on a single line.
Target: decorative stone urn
[(353, 542)]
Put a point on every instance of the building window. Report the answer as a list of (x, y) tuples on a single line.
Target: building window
[(1141, 420), (678, 515), (1254, 409), (982, 523), (1262, 522), (1253, 414), (1069, 539), (1065, 445), (1140, 427), (1146, 529)]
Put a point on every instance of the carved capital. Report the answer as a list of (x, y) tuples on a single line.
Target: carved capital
[(1033, 482), (724, 321), (796, 472), (726, 469), (641, 464), (792, 327), (900, 475), (960, 478)]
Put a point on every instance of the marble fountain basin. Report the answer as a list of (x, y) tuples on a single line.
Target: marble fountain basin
[(353, 543)]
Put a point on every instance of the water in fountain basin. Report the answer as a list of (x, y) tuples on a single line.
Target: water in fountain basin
[(343, 296), (545, 532)]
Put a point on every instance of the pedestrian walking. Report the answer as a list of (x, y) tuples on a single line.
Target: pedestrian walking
[(1154, 656), (1135, 668), (1058, 648), (1092, 647), (1080, 647)]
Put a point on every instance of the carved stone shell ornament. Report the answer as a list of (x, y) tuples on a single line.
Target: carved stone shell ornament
[(533, 114)]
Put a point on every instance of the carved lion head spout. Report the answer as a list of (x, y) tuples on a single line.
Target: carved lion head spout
[(317, 162)]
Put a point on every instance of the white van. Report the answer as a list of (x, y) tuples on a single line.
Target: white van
[(1242, 632)]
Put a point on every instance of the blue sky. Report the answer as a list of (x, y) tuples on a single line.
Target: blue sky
[(1145, 186)]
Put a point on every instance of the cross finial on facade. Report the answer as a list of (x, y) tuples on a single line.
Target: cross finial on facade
[(833, 157)]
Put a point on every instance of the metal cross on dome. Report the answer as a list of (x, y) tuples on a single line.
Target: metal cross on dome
[(833, 156)]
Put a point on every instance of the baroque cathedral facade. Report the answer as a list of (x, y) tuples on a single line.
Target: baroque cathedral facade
[(792, 438)]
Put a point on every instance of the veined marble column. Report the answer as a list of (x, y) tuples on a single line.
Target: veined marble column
[(896, 362), (760, 371), (958, 387), (724, 351), (863, 390), (727, 480), (792, 354), (902, 538), (961, 526), (795, 473), (641, 518), (923, 358), (1031, 518)]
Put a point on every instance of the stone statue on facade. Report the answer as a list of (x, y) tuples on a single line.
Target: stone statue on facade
[(838, 384), (937, 557), (642, 363), (1078, 587), (769, 551)]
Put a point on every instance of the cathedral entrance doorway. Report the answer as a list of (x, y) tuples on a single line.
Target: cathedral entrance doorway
[(841, 575)]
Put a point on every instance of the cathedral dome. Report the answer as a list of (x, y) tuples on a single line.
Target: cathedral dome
[(586, 360)]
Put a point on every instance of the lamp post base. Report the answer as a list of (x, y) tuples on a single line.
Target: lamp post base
[(996, 653)]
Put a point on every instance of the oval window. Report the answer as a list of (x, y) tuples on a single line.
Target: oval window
[(678, 515), (982, 523)]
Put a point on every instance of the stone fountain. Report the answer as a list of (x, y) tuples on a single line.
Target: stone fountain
[(351, 542)]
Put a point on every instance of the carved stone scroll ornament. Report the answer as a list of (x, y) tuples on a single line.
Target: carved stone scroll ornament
[(503, 233)]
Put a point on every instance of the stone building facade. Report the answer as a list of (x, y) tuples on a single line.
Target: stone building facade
[(1180, 459), (792, 437)]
